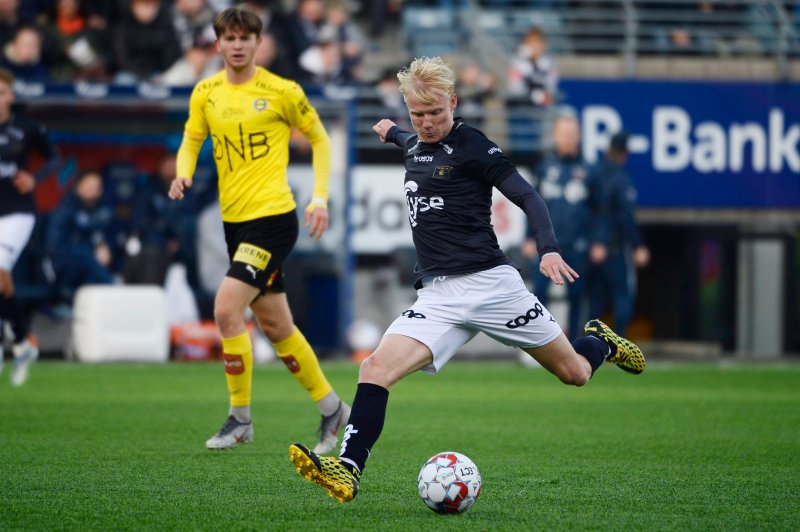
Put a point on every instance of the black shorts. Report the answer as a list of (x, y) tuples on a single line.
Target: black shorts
[(257, 249)]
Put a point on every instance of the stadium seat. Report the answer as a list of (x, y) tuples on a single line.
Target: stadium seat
[(112, 323)]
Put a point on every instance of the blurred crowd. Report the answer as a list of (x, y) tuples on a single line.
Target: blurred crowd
[(172, 41)]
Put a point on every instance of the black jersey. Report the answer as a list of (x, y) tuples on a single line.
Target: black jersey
[(18, 138), (448, 188)]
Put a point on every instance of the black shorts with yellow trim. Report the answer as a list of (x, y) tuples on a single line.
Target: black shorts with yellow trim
[(257, 249)]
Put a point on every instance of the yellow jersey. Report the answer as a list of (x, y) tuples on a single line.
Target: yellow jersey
[(249, 126)]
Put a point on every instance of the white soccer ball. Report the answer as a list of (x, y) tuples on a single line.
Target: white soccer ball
[(449, 482)]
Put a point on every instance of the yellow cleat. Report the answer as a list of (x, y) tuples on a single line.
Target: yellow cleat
[(327, 471), (624, 353)]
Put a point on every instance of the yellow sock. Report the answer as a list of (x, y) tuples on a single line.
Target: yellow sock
[(299, 357), (237, 354)]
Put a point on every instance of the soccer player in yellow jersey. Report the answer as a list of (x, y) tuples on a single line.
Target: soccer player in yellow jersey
[(249, 111)]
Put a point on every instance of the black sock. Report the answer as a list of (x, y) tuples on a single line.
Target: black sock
[(365, 424), (592, 349)]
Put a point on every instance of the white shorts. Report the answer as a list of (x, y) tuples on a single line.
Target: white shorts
[(451, 310), (15, 231)]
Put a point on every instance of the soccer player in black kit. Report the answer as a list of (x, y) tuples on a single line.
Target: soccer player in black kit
[(18, 138), (465, 284)]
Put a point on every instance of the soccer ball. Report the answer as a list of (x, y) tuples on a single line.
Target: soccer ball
[(449, 483)]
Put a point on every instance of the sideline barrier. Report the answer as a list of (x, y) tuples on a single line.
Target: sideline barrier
[(113, 323)]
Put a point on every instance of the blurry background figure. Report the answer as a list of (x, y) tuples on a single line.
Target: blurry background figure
[(560, 179), (159, 227), (302, 32), (533, 74), (473, 87), (19, 137), (144, 41), (77, 236), (323, 62), (532, 87), (618, 249), (388, 89), (23, 56), (9, 20), (348, 37), (193, 21), (72, 49), (271, 57)]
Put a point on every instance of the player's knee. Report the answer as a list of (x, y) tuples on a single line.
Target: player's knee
[(275, 329), (226, 318), (574, 375)]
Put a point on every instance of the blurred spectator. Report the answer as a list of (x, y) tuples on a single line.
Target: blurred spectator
[(284, 58), (193, 21), (379, 12), (194, 25), (269, 56), (560, 179), (72, 49), (474, 86), (707, 27), (618, 248), (302, 32), (160, 225), (77, 237), (145, 44), (533, 74), (10, 20), (322, 63), (388, 89), (348, 37), (23, 56)]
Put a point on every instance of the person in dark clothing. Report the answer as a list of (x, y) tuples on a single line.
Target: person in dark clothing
[(77, 236), (618, 249), (560, 178), (465, 283), (160, 225), (19, 137), (144, 41)]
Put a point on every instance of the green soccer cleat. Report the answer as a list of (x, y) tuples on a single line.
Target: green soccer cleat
[(624, 353), (327, 471)]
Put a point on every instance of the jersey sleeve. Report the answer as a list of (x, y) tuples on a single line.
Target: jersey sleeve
[(485, 160), (196, 125), (298, 110)]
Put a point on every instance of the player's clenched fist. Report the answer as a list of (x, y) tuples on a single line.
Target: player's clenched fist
[(178, 186), (382, 128)]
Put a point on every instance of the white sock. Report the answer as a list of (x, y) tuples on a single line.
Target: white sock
[(241, 413), (329, 404)]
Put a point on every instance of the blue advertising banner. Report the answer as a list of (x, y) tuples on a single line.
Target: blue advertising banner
[(698, 144)]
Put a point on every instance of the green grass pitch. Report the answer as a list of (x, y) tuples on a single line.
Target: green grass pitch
[(101, 447)]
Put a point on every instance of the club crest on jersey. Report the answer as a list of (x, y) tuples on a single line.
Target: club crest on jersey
[(442, 172), (259, 104)]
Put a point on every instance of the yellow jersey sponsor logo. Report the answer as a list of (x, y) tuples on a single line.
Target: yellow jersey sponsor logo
[(252, 255)]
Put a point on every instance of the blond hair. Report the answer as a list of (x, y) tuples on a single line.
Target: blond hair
[(427, 79)]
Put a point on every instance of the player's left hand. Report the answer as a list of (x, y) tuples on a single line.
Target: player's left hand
[(554, 268), (6, 284), (316, 217), (24, 182)]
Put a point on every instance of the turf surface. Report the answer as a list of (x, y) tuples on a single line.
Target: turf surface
[(98, 447)]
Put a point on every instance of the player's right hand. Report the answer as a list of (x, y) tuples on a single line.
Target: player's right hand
[(178, 186), (382, 128)]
